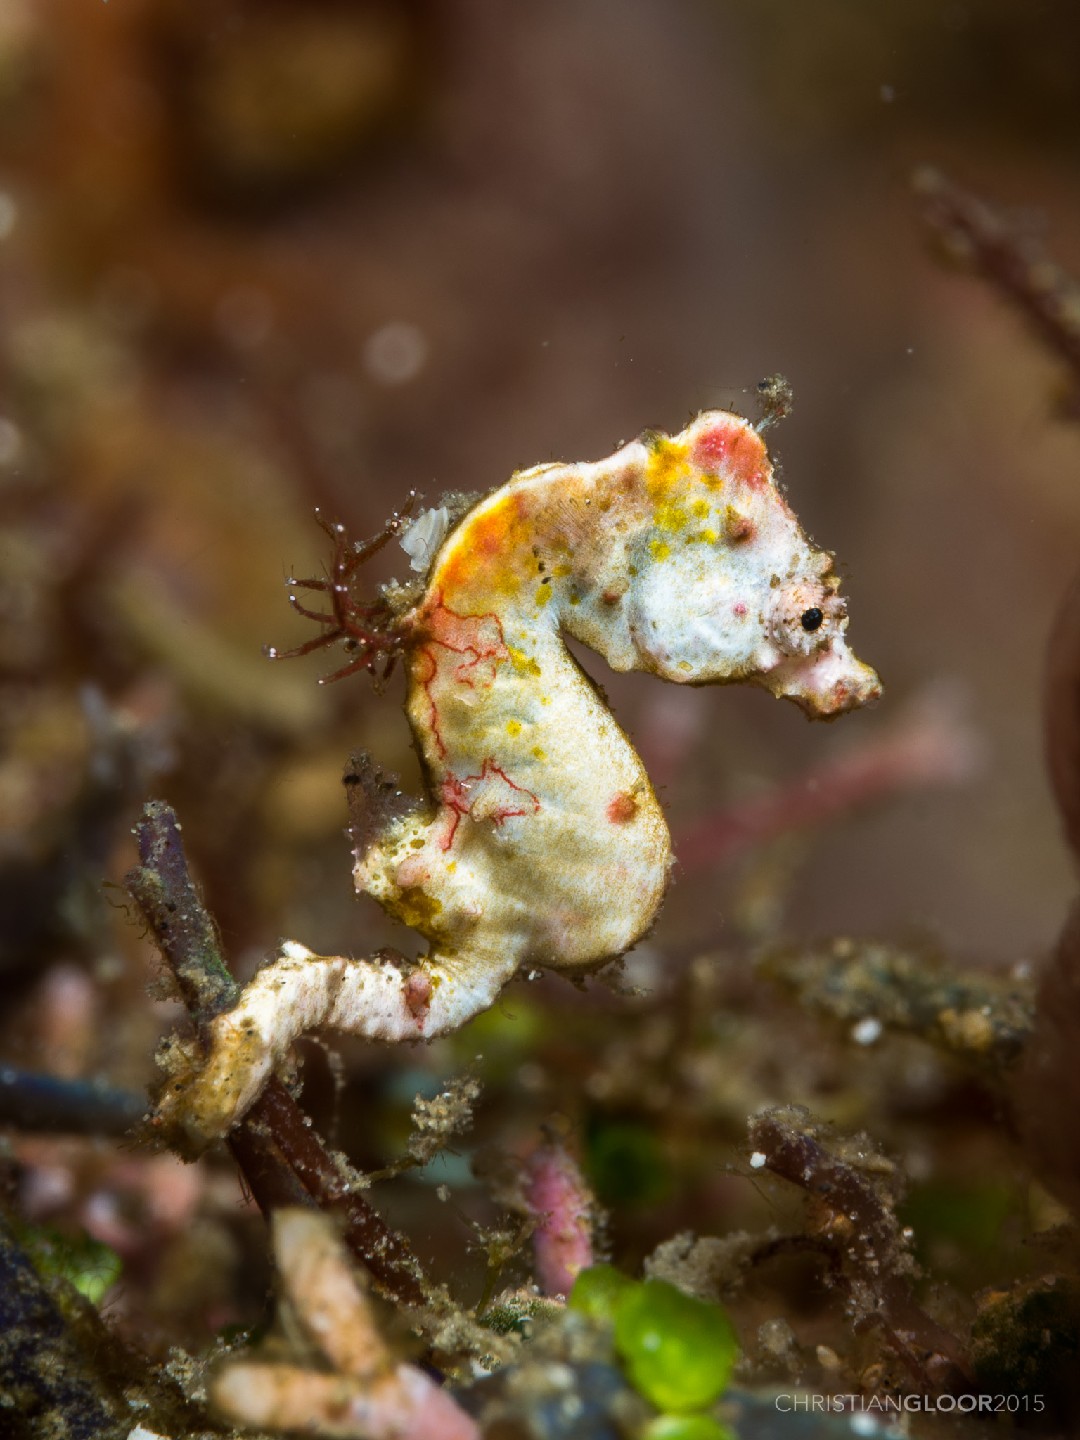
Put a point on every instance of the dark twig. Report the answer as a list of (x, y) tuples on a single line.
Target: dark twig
[(1061, 713), (163, 890), (283, 1161), (382, 1250), (1013, 262), (1046, 1085), (50, 1105), (853, 1194), (1046, 1094)]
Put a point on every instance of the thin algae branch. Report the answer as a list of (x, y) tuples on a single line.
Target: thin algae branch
[(538, 841)]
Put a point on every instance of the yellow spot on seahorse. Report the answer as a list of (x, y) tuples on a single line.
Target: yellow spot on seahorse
[(522, 663), (543, 595), (538, 753), (667, 463), (700, 509), (513, 727), (416, 908), (670, 515), (660, 549)]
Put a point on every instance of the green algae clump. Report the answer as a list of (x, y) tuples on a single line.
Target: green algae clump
[(678, 1351), (599, 1290), (686, 1427)]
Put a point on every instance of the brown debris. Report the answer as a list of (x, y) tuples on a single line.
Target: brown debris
[(982, 1019), (853, 1191)]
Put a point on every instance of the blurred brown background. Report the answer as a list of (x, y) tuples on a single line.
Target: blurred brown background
[(260, 257)]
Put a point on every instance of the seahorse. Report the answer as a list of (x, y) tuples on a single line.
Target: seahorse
[(539, 842)]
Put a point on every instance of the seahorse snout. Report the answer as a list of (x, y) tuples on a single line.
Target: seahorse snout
[(827, 683)]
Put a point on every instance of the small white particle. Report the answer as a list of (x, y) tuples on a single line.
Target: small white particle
[(293, 950), (758, 1159), (828, 1358), (888, 94), (867, 1030)]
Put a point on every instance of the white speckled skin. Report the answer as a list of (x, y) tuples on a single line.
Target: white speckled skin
[(541, 842)]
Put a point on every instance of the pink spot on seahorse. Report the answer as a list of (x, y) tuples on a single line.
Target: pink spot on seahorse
[(733, 448), (622, 807), (417, 995)]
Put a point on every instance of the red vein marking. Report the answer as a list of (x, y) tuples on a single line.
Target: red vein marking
[(485, 797), (477, 637)]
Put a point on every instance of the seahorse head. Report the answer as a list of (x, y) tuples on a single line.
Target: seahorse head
[(723, 583)]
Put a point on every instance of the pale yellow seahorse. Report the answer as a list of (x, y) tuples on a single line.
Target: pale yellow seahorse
[(539, 841)]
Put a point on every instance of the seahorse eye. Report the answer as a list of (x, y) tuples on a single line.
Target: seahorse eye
[(812, 618)]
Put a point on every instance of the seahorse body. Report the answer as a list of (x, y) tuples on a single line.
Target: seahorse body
[(540, 841)]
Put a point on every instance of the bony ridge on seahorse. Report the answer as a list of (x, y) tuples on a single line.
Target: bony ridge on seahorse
[(539, 841)]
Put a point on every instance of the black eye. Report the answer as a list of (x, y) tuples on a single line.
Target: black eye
[(812, 618)]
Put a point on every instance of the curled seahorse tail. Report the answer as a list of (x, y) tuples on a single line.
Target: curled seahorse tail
[(384, 997)]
